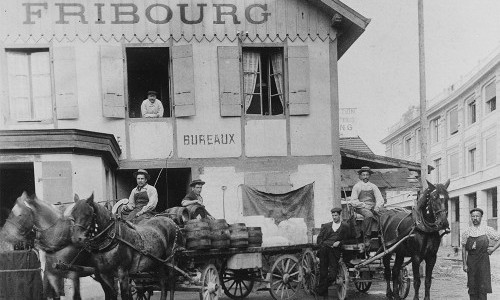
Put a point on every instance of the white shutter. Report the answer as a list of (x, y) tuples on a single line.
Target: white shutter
[(298, 80), (229, 81), (65, 82), (183, 80), (19, 86), (113, 100)]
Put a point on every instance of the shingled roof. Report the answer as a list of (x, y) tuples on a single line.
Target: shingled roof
[(354, 143)]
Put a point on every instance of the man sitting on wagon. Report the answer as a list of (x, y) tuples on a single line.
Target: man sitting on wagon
[(366, 199), (330, 238), (194, 197), (143, 198)]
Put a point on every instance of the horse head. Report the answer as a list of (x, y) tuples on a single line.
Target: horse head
[(87, 217), (19, 226), (434, 206)]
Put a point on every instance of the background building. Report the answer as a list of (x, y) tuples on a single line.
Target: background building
[(464, 133), (249, 89)]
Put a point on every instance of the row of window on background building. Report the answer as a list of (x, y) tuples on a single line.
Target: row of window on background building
[(148, 68), (411, 143)]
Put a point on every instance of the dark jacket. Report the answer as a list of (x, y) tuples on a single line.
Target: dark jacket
[(327, 236), (191, 196)]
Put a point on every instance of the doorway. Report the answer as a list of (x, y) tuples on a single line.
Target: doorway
[(14, 179)]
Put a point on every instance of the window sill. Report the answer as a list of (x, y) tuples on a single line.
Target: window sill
[(14, 122), (141, 120), (260, 117)]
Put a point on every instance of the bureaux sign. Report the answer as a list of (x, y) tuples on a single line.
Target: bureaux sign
[(163, 12)]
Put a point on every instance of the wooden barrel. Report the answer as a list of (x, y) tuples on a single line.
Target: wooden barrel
[(239, 235), (197, 234), (220, 235), (196, 210), (254, 236), (179, 214)]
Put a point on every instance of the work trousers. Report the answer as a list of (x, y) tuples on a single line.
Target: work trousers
[(328, 258), (481, 296), (367, 222)]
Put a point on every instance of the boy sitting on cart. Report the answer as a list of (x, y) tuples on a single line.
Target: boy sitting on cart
[(330, 239)]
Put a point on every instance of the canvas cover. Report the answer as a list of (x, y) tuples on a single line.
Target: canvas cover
[(295, 204)]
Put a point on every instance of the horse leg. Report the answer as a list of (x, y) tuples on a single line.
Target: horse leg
[(387, 275), (396, 270), (108, 285), (429, 266), (415, 265), (54, 284), (75, 279), (163, 283), (124, 284)]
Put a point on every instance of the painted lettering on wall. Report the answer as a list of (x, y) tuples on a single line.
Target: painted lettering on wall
[(129, 13), (348, 122), (208, 139)]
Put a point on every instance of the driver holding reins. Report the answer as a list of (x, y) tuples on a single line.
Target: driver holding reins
[(366, 198)]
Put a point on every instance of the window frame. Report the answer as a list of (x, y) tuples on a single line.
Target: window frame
[(438, 163), (4, 49), (487, 102), (170, 110), (435, 136), (407, 142), (418, 136), (471, 162), (286, 110), (471, 118), (448, 115)]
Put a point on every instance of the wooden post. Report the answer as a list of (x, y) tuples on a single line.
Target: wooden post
[(423, 107)]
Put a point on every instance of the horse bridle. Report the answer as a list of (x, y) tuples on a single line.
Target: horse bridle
[(86, 229), (431, 197)]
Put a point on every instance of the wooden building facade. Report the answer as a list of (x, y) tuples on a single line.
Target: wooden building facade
[(249, 90)]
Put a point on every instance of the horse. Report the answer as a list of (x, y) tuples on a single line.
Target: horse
[(119, 248), (426, 220), (31, 216)]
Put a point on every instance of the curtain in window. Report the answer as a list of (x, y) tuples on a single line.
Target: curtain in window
[(251, 67), (277, 63)]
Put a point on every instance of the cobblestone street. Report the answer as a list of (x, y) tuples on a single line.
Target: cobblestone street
[(449, 283)]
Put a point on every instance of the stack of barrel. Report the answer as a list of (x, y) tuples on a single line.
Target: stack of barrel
[(217, 234)]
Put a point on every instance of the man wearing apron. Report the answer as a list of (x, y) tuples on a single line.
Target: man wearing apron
[(366, 197), (142, 200), (476, 255)]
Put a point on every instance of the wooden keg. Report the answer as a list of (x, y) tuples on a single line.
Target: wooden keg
[(179, 214), (196, 210), (197, 235), (220, 235), (254, 236), (239, 235)]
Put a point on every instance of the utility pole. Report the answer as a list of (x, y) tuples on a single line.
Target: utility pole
[(423, 107)]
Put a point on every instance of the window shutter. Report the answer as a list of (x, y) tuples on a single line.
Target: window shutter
[(229, 81), (113, 101), (453, 120), (19, 87), (490, 91), (65, 82), (57, 181), (183, 80), (298, 73)]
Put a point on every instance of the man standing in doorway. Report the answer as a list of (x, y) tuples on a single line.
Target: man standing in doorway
[(152, 107), (330, 239), (475, 255), (366, 199)]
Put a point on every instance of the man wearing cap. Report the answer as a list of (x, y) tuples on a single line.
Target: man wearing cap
[(143, 198), (194, 196), (152, 107), (330, 238), (475, 255), (366, 197)]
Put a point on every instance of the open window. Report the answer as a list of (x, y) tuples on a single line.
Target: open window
[(147, 70), (490, 95), (30, 84), (263, 81)]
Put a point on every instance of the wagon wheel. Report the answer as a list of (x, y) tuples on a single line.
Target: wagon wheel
[(310, 271), (404, 283), (285, 277), (342, 281), (236, 283), (364, 286), (210, 289)]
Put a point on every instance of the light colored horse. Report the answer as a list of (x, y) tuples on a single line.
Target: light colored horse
[(53, 240)]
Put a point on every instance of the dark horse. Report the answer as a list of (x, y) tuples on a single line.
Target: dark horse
[(427, 219), (29, 215), (119, 247)]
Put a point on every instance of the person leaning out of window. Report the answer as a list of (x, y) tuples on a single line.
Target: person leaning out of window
[(152, 107)]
